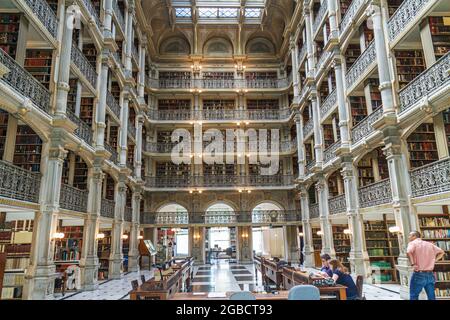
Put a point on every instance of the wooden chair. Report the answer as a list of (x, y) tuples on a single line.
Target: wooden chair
[(134, 284), (143, 278)]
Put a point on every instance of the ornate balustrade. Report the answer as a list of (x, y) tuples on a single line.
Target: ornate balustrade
[(268, 216), (17, 183), (301, 54), (355, 7), (113, 104), (73, 199), (321, 62), (131, 129), (330, 152), (85, 67), (435, 78), (107, 208), (361, 65), (114, 154), (308, 128), (320, 16), (93, 12), (404, 16), (314, 211), (220, 217), (328, 105), (171, 115), (128, 214), (157, 147), (119, 16), (431, 179), (24, 83), (309, 166), (375, 194), (263, 83), (168, 218), (364, 128), (45, 14), (219, 83), (174, 84), (337, 204), (84, 131)]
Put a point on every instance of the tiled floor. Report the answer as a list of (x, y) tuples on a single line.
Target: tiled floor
[(217, 277)]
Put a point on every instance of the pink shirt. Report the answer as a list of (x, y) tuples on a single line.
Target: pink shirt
[(424, 254)]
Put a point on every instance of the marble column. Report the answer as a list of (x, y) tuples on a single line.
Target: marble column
[(342, 107), (101, 105), (359, 258), (107, 22), (138, 149), (116, 256), (141, 84), (133, 254), (324, 217), (89, 262), (129, 35), (309, 43), (63, 88), (291, 245), (197, 244), (300, 145), (41, 273), (124, 110), (245, 247), (318, 145), (308, 249), (294, 53)]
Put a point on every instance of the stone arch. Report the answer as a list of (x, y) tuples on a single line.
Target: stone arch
[(39, 130), (220, 212), (175, 45), (259, 45), (218, 46), (172, 213), (268, 211), (359, 156)]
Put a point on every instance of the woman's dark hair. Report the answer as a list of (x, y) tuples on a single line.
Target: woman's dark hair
[(325, 256), (337, 265)]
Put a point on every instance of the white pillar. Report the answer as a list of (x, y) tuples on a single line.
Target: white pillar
[(138, 149), (308, 249), (123, 135), (133, 253), (116, 256), (101, 105), (325, 224)]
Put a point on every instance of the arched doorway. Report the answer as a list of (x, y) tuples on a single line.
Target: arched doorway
[(267, 212)]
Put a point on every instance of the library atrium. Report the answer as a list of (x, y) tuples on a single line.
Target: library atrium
[(133, 144)]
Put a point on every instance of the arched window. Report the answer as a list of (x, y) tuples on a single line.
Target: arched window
[(172, 214), (267, 212), (220, 213)]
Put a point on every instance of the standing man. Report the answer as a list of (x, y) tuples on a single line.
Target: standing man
[(422, 255)]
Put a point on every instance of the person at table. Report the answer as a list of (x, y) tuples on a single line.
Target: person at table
[(341, 276), (325, 271)]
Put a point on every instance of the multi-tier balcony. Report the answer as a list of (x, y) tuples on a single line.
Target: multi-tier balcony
[(361, 68), (84, 67), (329, 153), (107, 208), (320, 17), (314, 211), (91, 14), (220, 181), (328, 106), (431, 179), (365, 128), (44, 13), (19, 184), (73, 199), (337, 204), (354, 13), (375, 194)]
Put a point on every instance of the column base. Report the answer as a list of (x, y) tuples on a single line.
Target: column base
[(89, 273), (405, 271), (309, 259), (133, 263), (115, 267), (39, 283), (360, 265)]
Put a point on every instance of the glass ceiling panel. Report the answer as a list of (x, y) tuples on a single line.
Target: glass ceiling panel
[(253, 12), (218, 12), (183, 12)]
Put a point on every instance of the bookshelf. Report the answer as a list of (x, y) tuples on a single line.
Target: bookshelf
[(342, 244), (103, 252), (365, 171), (113, 136), (174, 104), (383, 250), (422, 146), (393, 6), (3, 130), (27, 153), (446, 116), (68, 249), (53, 4), (218, 104), (171, 169), (317, 245), (263, 104), (218, 75), (72, 95), (375, 95), (368, 34), (436, 228), (115, 90), (87, 110), (352, 53), (333, 182), (130, 155), (308, 152), (344, 7), (261, 75), (359, 109), (440, 34), (38, 62), (15, 249), (410, 63), (328, 135), (110, 188), (175, 75), (220, 169), (9, 33)]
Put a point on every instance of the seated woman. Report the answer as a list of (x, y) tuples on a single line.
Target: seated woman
[(326, 271), (341, 276)]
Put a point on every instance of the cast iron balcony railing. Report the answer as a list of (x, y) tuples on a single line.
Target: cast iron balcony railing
[(321, 62), (134, 52), (220, 217), (119, 16), (301, 54), (432, 80), (308, 128), (361, 65), (268, 216), (404, 15), (114, 154), (219, 181), (320, 15), (375, 194), (354, 8), (131, 130), (309, 165), (330, 152), (128, 214), (337, 204), (73, 199), (85, 67), (314, 211), (19, 184), (171, 83), (23, 82), (431, 179), (170, 115), (93, 12), (107, 208), (328, 105), (45, 14), (113, 104), (365, 127), (168, 218), (118, 57), (84, 131), (263, 83), (180, 115), (217, 83)]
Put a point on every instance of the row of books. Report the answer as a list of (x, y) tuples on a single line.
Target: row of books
[(444, 245), (442, 292), (440, 234), (434, 222), (13, 279), (17, 249), (442, 276), (17, 263), (11, 293)]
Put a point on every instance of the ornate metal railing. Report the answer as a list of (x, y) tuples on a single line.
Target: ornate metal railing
[(431, 80), (163, 115), (128, 214), (119, 16), (352, 10), (175, 83), (408, 10), (23, 82), (330, 152), (217, 83), (131, 129), (364, 128), (337, 204), (92, 11), (84, 131), (320, 15), (375, 194), (107, 208), (301, 54), (262, 83), (329, 104), (275, 114), (431, 179), (220, 217), (308, 128), (288, 145), (18, 183), (268, 216), (113, 104), (172, 218), (83, 64), (309, 165), (73, 199), (361, 65), (157, 147), (219, 181), (114, 154), (134, 52), (323, 57), (314, 211), (45, 14)]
